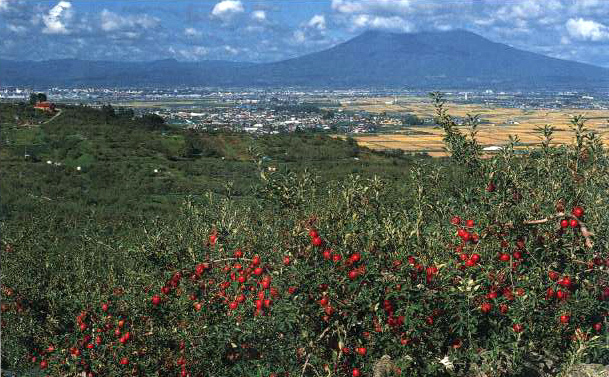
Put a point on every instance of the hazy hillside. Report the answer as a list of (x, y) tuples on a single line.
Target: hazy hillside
[(75, 73), (458, 58), (430, 59)]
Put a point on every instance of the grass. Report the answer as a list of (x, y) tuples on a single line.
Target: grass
[(118, 157)]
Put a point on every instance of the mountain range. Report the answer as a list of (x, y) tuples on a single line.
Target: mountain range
[(448, 59)]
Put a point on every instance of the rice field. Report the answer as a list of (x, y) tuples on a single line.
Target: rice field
[(499, 124)]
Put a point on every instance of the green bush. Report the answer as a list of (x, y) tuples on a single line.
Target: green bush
[(482, 265)]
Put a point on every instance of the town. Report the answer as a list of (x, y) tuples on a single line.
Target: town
[(271, 111)]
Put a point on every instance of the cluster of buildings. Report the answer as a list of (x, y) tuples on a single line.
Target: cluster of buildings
[(271, 119), (535, 99), (258, 110)]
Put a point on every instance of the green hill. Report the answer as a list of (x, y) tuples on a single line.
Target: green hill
[(119, 154)]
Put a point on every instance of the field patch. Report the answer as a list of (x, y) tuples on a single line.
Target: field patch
[(498, 124)]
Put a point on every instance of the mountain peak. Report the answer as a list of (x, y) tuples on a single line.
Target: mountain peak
[(440, 34), (168, 60), (458, 31), (455, 58)]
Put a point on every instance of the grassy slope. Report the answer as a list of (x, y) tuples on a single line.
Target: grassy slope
[(118, 157)]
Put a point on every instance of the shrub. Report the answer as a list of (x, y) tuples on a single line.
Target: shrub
[(494, 265)]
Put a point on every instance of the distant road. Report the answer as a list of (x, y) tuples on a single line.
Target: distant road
[(54, 116)]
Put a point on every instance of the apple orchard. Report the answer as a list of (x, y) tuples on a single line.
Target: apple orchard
[(493, 265)]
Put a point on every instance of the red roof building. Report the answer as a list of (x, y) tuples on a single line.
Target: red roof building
[(45, 106)]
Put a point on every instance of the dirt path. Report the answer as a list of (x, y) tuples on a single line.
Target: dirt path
[(54, 116)]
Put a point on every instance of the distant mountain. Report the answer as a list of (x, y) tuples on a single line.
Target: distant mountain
[(451, 59), (85, 73)]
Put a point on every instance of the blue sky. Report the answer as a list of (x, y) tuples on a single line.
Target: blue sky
[(269, 30)]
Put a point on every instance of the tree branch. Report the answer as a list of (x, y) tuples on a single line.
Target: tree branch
[(582, 226)]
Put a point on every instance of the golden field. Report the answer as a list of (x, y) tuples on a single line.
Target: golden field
[(502, 122)]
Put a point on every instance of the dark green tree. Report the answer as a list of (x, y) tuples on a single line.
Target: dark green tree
[(125, 113), (153, 122), (412, 120), (328, 114)]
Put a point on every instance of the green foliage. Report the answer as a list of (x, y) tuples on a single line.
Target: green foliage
[(37, 97), (328, 114), (461, 149), (412, 120), (152, 122), (298, 108), (383, 248)]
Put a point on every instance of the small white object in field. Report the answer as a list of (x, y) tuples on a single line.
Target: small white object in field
[(156, 170), (49, 162), (78, 168), (492, 148), (447, 363)]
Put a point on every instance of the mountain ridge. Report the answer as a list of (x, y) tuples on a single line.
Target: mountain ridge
[(457, 58)]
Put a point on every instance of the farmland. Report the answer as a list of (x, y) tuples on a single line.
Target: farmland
[(497, 124)]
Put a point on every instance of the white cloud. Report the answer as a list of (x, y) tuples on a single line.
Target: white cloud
[(318, 22), (259, 15), (200, 50), (523, 16), (590, 7), (587, 30), (111, 21), (443, 27), (400, 15), (192, 53), (254, 28), (587, 3), (528, 9), (55, 21), (484, 21), (364, 21), (231, 50), (11, 5), (227, 9), (344, 6), (192, 32), (299, 36), (17, 28), (311, 32), (3, 5), (377, 6)]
